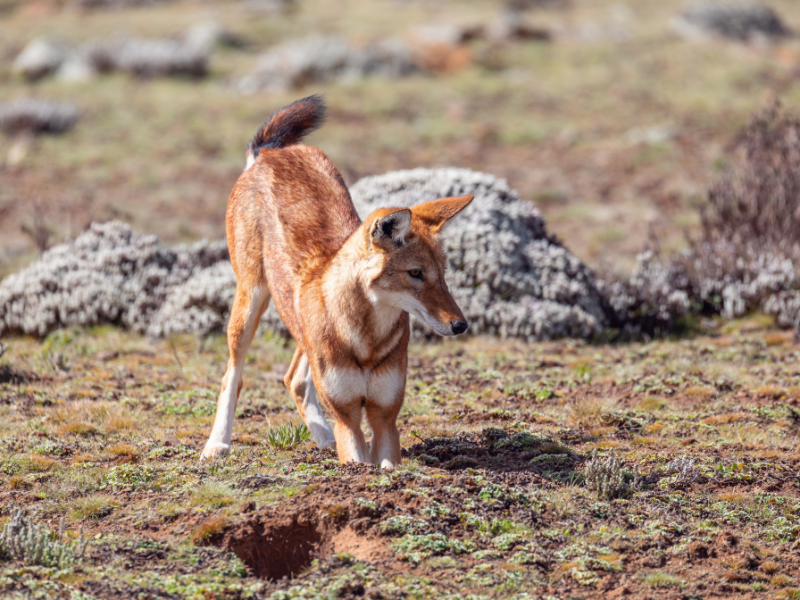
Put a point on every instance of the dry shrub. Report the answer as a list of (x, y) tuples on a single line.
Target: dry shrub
[(756, 204), (607, 477), (149, 57), (742, 21), (296, 63), (90, 4), (750, 243)]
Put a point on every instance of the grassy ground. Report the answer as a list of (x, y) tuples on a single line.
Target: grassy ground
[(496, 496), (502, 492), (564, 121)]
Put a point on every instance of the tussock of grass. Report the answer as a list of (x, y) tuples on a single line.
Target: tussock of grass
[(662, 580), (209, 528), (17, 482), (88, 418), (736, 417), (85, 458), (781, 580), (652, 404), (123, 450), (213, 495), (589, 411), (770, 567), (78, 429), (92, 507), (699, 391), (40, 464), (287, 436)]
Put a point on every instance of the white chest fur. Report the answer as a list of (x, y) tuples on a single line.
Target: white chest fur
[(383, 386)]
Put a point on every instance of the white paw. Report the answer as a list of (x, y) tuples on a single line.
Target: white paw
[(321, 433), (387, 464), (213, 451), (326, 444)]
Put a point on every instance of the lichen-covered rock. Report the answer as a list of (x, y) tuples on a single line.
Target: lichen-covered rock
[(36, 115), (187, 56), (42, 56), (739, 21), (107, 275), (201, 305), (507, 275), (91, 4), (298, 63), (149, 57)]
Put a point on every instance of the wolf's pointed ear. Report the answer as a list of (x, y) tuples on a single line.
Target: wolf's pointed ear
[(389, 231), (437, 212)]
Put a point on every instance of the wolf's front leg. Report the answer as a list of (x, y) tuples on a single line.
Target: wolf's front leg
[(350, 443), (385, 446)]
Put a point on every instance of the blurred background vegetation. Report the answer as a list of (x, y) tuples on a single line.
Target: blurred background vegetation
[(600, 112)]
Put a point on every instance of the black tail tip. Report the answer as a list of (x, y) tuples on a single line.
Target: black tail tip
[(290, 124)]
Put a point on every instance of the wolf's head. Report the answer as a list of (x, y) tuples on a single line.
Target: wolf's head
[(411, 262)]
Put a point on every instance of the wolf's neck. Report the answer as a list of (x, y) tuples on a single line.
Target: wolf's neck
[(366, 326)]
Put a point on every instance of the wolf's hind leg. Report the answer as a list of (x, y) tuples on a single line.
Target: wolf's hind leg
[(248, 306), (301, 385)]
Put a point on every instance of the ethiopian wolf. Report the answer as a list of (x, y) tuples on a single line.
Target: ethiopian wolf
[(343, 287)]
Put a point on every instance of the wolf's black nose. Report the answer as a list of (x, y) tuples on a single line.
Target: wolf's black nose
[(459, 326)]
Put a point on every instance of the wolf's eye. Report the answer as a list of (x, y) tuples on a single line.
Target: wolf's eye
[(415, 273)]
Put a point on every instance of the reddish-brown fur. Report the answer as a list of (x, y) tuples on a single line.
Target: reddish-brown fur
[(340, 287)]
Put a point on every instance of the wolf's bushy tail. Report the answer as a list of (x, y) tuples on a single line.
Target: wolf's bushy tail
[(288, 125)]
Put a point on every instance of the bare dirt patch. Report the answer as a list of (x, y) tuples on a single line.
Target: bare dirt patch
[(282, 542)]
